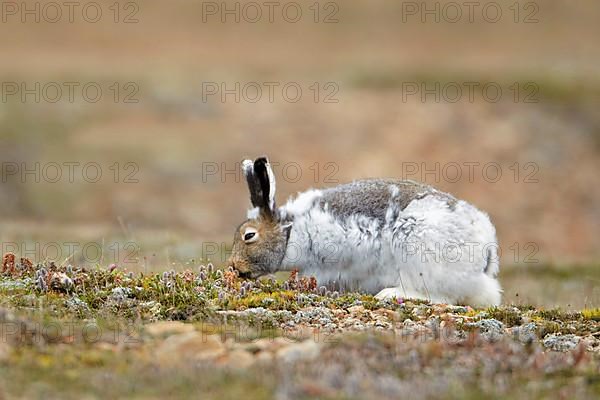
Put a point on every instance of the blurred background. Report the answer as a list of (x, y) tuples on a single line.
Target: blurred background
[(122, 124)]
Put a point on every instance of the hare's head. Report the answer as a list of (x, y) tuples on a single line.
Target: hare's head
[(259, 243)]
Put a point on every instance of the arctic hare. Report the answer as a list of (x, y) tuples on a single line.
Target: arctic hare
[(389, 237)]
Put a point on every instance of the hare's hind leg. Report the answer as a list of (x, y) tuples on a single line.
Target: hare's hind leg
[(484, 291), (390, 293)]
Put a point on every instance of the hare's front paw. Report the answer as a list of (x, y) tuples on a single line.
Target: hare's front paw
[(390, 293)]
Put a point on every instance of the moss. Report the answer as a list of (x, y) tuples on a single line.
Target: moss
[(557, 314), (472, 313), (547, 327), (404, 314), (284, 300), (508, 316), (591, 314)]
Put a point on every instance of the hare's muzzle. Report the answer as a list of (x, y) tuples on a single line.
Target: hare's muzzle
[(245, 275), (242, 272)]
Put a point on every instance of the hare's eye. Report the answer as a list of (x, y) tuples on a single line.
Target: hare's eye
[(250, 235)]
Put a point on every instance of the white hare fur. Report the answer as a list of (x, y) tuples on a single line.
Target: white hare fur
[(392, 238)]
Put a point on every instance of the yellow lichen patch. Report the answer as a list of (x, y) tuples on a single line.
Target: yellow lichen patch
[(591, 314)]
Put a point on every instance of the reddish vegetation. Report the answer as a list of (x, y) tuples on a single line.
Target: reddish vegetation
[(8, 263), (306, 284), (10, 266), (230, 279)]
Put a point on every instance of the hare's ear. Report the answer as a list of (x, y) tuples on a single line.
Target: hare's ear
[(266, 180), (253, 185), (261, 184)]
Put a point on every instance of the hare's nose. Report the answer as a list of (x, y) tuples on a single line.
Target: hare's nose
[(244, 275)]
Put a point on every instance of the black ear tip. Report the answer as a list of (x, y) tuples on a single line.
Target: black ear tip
[(261, 161)]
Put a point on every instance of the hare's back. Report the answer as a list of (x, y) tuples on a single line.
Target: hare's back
[(373, 197)]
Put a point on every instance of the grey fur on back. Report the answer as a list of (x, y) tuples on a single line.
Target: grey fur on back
[(372, 197)]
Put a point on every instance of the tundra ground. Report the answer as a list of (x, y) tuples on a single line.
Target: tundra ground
[(111, 333)]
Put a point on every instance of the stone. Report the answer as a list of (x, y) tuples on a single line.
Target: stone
[(307, 350), (189, 347), (77, 305), (525, 333), (389, 314), (236, 359), (165, 328), (558, 342), (490, 329), (409, 327), (382, 324), (120, 294), (421, 311), (264, 357), (457, 309), (356, 309)]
